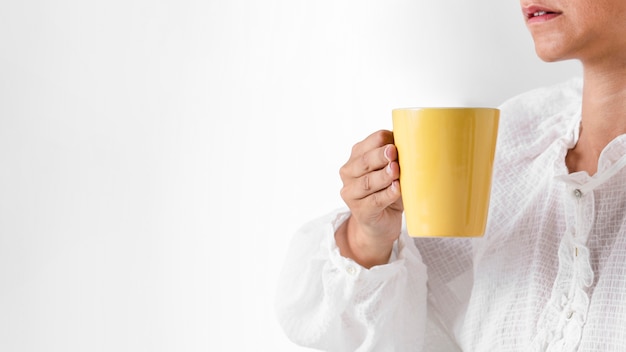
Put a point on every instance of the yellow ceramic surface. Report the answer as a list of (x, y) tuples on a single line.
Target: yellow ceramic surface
[(446, 160)]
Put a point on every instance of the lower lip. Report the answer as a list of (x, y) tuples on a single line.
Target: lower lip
[(543, 18)]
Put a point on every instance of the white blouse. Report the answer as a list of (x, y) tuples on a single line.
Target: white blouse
[(549, 274)]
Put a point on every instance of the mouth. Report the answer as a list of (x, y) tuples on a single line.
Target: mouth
[(539, 14)]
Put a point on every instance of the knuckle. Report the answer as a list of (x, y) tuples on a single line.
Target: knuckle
[(343, 193), (347, 195), (343, 172), (377, 200), (365, 182), (380, 137), (364, 162), (355, 149)]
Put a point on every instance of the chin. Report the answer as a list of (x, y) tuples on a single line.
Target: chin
[(549, 53), (549, 58)]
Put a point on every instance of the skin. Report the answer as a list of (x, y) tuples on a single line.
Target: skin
[(371, 189), (591, 31)]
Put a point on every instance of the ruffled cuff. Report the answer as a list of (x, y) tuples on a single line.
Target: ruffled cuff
[(403, 248)]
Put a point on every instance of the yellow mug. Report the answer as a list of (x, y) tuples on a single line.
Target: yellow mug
[(446, 160)]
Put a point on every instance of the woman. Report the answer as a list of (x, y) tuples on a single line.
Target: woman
[(550, 272)]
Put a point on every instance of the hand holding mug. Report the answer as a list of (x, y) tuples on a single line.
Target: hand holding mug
[(371, 189)]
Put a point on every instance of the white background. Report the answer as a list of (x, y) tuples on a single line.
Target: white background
[(156, 156)]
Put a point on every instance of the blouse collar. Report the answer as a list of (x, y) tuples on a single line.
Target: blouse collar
[(612, 158)]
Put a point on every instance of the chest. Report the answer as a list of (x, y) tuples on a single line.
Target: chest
[(552, 277)]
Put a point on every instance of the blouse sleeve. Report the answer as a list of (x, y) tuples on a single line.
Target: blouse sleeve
[(329, 302)]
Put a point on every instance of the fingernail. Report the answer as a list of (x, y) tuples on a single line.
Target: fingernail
[(388, 168), (387, 153)]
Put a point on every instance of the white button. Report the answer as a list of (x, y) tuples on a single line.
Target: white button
[(351, 270), (578, 193)]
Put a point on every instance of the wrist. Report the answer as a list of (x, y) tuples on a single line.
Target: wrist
[(365, 249)]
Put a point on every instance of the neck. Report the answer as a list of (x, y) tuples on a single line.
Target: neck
[(603, 117)]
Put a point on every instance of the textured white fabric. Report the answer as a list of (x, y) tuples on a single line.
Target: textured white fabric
[(549, 274)]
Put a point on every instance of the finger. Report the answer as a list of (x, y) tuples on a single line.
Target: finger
[(370, 161), (379, 201), (372, 182), (373, 141)]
